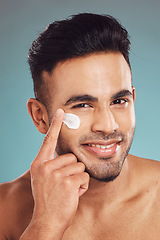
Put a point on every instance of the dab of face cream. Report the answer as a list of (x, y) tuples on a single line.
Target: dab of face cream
[(71, 120)]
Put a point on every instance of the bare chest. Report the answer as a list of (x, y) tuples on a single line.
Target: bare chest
[(139, 223)]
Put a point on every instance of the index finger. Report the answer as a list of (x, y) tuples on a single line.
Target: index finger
[(47, 149)]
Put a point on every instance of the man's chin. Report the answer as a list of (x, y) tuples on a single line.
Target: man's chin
[(106, 179), (105, 176)]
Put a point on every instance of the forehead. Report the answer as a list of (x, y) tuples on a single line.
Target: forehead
[(97, 74)]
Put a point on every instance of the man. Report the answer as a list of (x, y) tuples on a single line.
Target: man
[(83, 184)]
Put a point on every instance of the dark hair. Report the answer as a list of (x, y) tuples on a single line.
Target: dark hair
[(78, 36)]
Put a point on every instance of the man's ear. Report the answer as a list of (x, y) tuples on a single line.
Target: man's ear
[(38, 114), (134, 93)]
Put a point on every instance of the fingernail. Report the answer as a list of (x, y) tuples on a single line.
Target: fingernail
[(58, 113)]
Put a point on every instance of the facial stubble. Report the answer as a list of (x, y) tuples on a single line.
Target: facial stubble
[(107, 169)]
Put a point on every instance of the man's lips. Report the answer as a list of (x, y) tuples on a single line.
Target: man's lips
[(103, 149)]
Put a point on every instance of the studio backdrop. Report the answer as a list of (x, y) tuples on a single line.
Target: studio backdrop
[(20, 23)]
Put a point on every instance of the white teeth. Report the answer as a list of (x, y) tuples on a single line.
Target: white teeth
[(102, 146)]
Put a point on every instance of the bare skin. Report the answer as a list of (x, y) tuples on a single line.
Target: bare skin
[(57, 198)]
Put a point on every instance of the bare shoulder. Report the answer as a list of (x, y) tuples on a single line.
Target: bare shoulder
[(147, 171), (16, 204), (148, 165)]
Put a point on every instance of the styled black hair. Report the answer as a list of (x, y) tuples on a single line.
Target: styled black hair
[(77, 36)]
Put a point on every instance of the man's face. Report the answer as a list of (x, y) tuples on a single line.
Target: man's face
[(98, 89)]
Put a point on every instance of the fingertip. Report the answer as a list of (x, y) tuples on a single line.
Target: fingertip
[(59, 112), (58, 117)]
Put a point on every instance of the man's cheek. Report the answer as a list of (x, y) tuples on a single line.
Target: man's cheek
[(126, 122), (65, 140)]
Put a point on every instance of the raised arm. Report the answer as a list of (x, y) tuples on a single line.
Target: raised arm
[(57, 185)]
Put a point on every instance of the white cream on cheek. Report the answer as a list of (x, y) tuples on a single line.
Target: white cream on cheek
[(71, 120)]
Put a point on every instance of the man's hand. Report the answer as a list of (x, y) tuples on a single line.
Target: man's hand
[(57, 185)]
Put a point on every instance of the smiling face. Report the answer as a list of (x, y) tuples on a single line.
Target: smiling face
[(98, 89)]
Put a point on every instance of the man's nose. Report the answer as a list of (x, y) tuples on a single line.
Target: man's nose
[(104, 121)]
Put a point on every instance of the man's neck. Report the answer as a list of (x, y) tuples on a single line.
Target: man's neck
[(107, 193)]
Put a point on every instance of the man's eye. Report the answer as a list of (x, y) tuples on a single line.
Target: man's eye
[(119, 101), (82, 105)]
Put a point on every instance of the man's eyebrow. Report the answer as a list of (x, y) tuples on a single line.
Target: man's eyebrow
[(81, 98), (122, 93)]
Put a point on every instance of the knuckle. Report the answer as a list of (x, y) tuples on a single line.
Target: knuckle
[(86, 176), (44, 168), (57, 175), (81, 165), (67, 182), (72, 157)]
